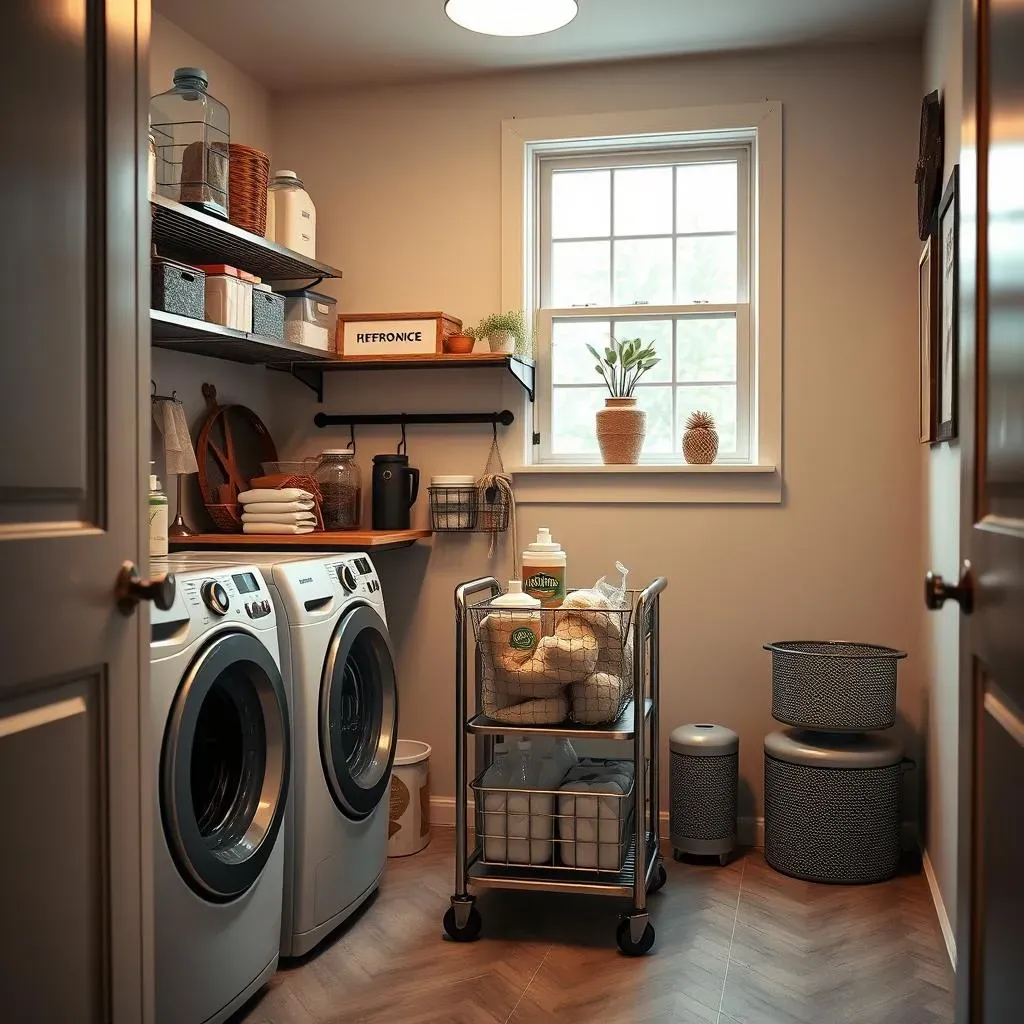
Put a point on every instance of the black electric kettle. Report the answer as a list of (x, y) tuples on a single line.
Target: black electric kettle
[(396, 486)]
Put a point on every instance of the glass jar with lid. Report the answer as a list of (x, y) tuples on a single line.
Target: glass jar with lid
[(340, 482), (193, 132)]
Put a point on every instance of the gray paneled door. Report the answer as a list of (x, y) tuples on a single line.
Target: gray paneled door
[(990, 912), (74, 832)]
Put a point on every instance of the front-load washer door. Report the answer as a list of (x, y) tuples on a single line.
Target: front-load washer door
[(358, 712), (224, 766)]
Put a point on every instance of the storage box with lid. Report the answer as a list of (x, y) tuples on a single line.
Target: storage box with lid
[(267, 312), (229, 296), (309, 318), (394, 335), (178, 288)]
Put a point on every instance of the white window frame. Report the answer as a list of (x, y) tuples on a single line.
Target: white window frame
[(525, 142), (695, 149)]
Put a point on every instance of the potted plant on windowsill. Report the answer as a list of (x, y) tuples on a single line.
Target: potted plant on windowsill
[(505, 332), (621, 426)]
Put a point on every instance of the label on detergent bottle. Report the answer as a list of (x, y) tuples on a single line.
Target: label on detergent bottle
[(547, 585), (522, 639)]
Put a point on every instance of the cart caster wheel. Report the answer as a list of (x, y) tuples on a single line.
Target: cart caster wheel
[(470, 932), (626, 943), (659, 879)]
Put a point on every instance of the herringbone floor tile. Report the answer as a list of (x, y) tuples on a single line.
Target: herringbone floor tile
[(736, 945)]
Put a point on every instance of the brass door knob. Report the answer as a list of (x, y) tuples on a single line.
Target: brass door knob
[(130, 589), (937, 591)]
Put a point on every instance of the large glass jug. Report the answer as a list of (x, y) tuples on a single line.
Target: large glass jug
[(193, 131), (340, 483)]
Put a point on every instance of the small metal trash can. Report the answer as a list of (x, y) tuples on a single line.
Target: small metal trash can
[(832, 805), (704, 771)]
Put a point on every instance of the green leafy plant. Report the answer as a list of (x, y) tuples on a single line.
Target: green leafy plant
[(623, 364), (514, 321)]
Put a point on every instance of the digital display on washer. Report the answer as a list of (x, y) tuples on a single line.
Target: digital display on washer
[(246, 583), (364, 566)]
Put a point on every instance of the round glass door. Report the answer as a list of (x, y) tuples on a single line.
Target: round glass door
[(358, 712), (224, 766)]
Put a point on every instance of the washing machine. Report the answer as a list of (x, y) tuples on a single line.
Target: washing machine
[(340, 677), (222, 746)]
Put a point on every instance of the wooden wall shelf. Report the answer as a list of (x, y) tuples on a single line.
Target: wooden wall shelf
[(347, 540)]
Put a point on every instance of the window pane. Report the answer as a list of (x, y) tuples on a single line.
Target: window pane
[(658, 404), (656, 332), (573, 427), (580, 273), (719, 401), (643, 201), (706, 197), (571, 363), (706, 269), (706, 349), (643, 272), (580, 204)]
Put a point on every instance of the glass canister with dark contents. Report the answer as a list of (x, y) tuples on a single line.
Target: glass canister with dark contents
[(337, 475)]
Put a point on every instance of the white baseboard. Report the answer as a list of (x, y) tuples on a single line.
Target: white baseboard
[(940, 907)]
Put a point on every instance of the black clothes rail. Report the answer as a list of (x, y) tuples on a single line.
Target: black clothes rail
[(407, 419)]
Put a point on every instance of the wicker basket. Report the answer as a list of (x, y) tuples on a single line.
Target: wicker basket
[(249, 176), (226, 518)]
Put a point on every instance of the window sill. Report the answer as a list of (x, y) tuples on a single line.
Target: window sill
[(676, 484)]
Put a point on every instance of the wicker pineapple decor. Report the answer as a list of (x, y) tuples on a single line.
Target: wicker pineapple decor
[(700, 439)]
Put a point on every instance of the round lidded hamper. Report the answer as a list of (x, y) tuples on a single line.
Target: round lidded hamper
[(704, 777), (833, 687), (832, 805), (409, 814)]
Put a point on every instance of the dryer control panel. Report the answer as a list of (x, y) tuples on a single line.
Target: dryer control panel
[(206, 596), (317, 588)]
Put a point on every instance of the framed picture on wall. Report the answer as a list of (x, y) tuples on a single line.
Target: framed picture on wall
[(928, 335), (949, 308)]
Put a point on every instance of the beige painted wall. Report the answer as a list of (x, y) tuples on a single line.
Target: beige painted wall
[(943, 70), (407, 186), (249, 104)]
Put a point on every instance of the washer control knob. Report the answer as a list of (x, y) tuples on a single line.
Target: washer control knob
[(347, 578), (215, 597)]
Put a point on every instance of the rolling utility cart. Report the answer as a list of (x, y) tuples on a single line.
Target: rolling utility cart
[(593, 676)]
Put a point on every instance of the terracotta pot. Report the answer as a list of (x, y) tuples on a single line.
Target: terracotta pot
[(621, 429), (459, 344), (503, 342)]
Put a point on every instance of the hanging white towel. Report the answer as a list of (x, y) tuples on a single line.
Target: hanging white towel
[(272, 494), (279, 528), (284, 518), (273, 507)]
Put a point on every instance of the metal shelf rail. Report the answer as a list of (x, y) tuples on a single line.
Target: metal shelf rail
[(642, 871)]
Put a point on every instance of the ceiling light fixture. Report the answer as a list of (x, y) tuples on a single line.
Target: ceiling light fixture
[(511, 17)]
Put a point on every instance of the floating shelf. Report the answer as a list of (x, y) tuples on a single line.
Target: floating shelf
[(183, 334), (193, 237), (312, 374), (347, 540)]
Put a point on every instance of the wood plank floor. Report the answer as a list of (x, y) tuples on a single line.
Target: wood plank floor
[(736, 945)]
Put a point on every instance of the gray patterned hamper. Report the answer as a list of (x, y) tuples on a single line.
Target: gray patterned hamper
[(832, 686), (832, 805), (704, 770)]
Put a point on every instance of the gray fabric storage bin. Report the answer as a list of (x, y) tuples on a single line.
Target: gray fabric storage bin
[(704, 773), (178, 288), (267, 314), (833, 805)]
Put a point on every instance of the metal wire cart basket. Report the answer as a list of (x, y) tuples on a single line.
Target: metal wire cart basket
[(584, 674)]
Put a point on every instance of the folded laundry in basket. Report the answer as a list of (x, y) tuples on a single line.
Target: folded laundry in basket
[(597, 699), (592, 827), (271, 494), (286, 518), (271, 507)]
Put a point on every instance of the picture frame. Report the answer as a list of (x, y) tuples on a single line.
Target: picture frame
[(928, 336), (947, 369)]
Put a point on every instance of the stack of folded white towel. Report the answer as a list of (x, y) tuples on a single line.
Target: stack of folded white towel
[(287, 510)]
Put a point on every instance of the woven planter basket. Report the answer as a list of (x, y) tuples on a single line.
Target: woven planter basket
[(700, 446), (621, 429), (249, 175)]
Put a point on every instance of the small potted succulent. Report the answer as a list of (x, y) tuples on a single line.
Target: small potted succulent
[(621, 426), (506, 333)]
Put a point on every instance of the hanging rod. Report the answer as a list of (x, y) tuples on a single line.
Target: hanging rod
[(323, 419)]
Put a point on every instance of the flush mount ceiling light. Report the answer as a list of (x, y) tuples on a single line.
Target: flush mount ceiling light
[(511, 17)]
